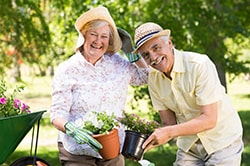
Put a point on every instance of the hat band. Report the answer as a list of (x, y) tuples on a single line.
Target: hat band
[(141, 40)]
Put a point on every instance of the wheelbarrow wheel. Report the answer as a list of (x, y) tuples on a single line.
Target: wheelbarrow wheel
[(28, 161)]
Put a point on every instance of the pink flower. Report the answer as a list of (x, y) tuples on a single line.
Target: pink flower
[(3, 100), (17, 103), (25, 107), (9, 106), (135, 123)]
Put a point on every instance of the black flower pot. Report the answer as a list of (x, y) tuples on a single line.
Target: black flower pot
[(132, 148)]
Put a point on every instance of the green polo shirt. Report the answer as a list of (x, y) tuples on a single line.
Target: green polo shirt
[(195, 82)]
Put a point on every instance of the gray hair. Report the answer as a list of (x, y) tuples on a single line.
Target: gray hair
[(165, 39)]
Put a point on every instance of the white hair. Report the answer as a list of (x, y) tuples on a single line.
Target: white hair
[(165, 39)]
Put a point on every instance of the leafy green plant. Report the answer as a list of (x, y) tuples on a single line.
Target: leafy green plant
[(135, 123), (9, 105), (100, 122)]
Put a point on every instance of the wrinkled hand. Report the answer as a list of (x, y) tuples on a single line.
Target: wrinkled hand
[(159, 137), (127, 46), (82, 136)]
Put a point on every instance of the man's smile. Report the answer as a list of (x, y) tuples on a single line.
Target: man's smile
[(157, 61)]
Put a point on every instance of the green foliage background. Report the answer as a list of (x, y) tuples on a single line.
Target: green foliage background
[(40, 33)]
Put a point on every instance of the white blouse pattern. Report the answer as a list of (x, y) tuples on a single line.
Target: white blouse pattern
[(80, 87)]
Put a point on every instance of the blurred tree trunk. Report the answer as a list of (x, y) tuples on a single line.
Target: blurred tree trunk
[(51, 70), (222, 74), (16, 72)]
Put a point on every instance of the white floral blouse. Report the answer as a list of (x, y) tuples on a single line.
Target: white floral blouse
[(80, 87)]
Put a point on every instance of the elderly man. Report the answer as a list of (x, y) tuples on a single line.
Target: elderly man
[(185, 88)]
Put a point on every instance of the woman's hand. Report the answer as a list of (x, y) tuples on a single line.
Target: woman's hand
[(127, 46)]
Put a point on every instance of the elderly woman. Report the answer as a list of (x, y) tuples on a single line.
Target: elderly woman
[(95, 78)]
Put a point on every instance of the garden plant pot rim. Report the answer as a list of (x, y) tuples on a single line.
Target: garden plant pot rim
[(132, 131), (110, 132)]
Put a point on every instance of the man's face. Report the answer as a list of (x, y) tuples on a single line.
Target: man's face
[(158, 53)]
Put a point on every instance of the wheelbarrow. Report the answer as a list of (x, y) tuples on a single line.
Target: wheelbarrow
[(12, 131)]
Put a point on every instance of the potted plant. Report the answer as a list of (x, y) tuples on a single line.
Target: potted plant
[(138, 130), (104, 130)]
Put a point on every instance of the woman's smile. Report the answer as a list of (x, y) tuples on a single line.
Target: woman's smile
[(95, 46)]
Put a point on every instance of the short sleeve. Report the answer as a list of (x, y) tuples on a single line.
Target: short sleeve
[(208, 87)]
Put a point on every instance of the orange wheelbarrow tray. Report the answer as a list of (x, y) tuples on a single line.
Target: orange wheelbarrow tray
[(13, 129)]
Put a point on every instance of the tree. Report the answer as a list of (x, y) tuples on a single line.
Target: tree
[(25, 34)]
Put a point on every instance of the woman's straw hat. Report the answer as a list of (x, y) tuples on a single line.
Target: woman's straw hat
[(148, 31), (98, 13)]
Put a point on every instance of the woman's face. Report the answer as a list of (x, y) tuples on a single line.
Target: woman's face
[(96, 43)]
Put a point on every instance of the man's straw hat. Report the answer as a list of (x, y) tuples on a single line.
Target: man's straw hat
[(148, 31), (98, 13)]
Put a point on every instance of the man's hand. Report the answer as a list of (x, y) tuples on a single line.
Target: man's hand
[(159, 137), (127, 46), (82, 136)]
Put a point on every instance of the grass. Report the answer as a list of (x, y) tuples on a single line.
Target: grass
[(37, 95)]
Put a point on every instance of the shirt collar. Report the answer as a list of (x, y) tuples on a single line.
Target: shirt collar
[(178, 62), (83, 60)]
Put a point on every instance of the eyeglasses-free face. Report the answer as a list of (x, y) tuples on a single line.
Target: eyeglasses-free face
[(96, 43), (158, 53)]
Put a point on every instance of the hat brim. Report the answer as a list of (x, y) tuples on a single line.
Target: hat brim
[(98, 13), (165, 32)]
